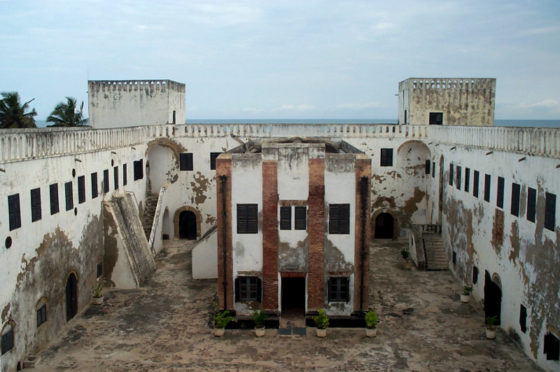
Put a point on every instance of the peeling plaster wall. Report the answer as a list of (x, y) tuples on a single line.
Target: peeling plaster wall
[(246, 175), (523, 254), (45, 251)]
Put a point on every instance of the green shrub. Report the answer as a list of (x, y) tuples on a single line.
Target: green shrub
[(371, 319), (97, 290), (321, 320), (259, 317), (491, 321), (467, 290), (404, 253), (222, 319)]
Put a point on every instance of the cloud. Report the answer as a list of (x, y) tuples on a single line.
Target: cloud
[(548, 103), (358, 105)]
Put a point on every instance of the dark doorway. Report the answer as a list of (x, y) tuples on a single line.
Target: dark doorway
[(384, 226), (492, 298), (71, 296), (293, 296), (187, 225)]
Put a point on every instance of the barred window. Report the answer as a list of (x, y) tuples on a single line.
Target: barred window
[(247, 219), (35, 204), (186, 161), (386, 157), (14, 212), (68, 192), (339, 289), (248, 288), (339, 218), (301, 218), (81, 189), (285, 218), (53, 191), (94, 191)]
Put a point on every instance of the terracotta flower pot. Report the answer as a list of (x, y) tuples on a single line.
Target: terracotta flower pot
[(97, 300), (321, 332), (259, 332), (490, 333), (371, 332), (465, 298), (219, 332)]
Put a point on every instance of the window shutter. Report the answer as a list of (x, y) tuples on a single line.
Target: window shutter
[(550, 211), (186, 161), (531, 204), (500, 196), (301, 218), (14, 212), (252, 219), (428, 163), (81, 189), (94, 191), (106, 181), (53, 192), (35, 205), (124, 178), (69, 196), (285, 218), (116, 177)]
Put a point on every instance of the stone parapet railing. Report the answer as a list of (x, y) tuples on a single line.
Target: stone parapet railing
[(23, 144)]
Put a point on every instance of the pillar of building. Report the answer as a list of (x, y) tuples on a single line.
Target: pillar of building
[(225, 264), (270, 235), (316, 234)]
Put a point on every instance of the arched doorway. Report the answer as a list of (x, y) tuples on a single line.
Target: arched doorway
[(166, 228), (384, 226), (187, 225), (71, 296), (492, 297)]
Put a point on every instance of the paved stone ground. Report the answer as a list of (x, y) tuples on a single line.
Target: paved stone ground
[(164, 327)]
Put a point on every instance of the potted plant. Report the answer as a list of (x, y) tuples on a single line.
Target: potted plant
[(491, 327), (466, 295), (221, 320), (405, 254), (371, 319), (322, 322), (97, 293), (259, 317)]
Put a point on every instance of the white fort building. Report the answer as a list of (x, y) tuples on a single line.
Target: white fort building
[(278, 206)]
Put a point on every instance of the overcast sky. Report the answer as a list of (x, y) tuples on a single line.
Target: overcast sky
[(284, 59)]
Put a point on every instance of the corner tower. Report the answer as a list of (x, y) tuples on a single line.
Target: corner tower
[(128, 103)]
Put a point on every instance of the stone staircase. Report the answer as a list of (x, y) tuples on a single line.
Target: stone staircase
[(149, 212), (436, 255)]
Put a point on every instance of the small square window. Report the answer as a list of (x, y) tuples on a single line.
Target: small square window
[(436, 118), (386, 157), (213, 156), (186, 161), (339, 289), (138, 169), (339, 218), (247, 218), (248, 289)]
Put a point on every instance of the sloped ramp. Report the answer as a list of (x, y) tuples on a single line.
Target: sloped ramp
[(436, 255), (130, 261)]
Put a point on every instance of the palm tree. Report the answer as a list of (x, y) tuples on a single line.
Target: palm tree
[(66, 114), (14, 115)]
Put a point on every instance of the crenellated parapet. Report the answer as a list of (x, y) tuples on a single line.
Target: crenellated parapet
[(130, 85), (24, 144)]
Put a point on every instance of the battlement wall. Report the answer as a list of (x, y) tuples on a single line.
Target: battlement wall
[(129, 85), (25, 144), (449, 83)]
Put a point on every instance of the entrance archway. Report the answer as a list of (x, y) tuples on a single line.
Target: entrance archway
[(492, 297), (187, 225), (71, 296), (384, 226)]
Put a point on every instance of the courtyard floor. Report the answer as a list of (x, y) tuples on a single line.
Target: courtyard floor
[(164, 327)]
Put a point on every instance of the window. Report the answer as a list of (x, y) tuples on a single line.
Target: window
[(474, 274), (454, 258), (531, 204), (459, 173), (99, 269), (116, 177), (68, 194), (247, 288), (467, 179), (285, 218), (53, 191), (436, 118), (551, 346), (476, 182), (451, 174), (81, 189), (138, 170), (301, 218), (213, 156), (42, 314), (405, 116), (428, 164), (339, 289), (106, 181), (186, 161), (94, 192), (339, 218), (14, 212), (523, 318), (124, 178), (500, 195), (247, 219), (487, 184), (174, 116), (515, 193), (434, 169), (386, 157), (35, 205), (550, 211), (7, 339)]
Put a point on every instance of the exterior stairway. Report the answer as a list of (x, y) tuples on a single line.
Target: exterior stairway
[(149, 212), (436, 255)]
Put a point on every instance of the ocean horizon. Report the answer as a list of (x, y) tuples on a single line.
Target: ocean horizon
[(530, 123)]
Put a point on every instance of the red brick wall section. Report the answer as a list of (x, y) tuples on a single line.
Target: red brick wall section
[(223, 168), (270, 235), (316, 234), (363, 169)]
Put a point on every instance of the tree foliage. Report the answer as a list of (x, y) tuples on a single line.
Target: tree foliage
[(66, 114), (15, 115)]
